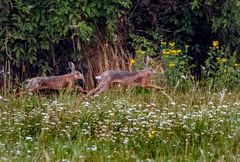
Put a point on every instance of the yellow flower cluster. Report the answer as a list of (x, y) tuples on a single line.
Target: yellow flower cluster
[(171, 44), (215, 44), (152, 134), (172, 65), (132, 61), (172, 52)]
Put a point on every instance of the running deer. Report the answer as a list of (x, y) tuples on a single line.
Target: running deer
[(140, 78), (56, 82)]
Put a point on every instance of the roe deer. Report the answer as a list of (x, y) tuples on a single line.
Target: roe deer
[(56, 82), (140, 78)]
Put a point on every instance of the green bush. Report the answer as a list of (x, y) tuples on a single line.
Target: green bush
[(39, 33), (221, 71)]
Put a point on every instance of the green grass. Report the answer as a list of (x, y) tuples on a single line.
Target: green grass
[(131, 125)]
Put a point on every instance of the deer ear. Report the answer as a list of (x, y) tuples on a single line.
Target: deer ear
[(71, 66), (146, 60)]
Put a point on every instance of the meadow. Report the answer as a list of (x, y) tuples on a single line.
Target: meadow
[(194, 47), (122, 125), (194, 120)]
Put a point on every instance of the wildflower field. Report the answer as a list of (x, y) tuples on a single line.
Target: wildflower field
[(189, 48), (122, 125), (191, 120)]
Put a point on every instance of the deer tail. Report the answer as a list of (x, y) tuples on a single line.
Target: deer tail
[(28, 80), (98, 77)]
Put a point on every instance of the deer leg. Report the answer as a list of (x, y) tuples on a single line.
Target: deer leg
[(81, 89), (102, 89), (93, 91), (78, 88), (102, 86)]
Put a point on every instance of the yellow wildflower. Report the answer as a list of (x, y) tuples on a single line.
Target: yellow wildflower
[(132, 61), (171, 52), (175, 52), (166, 52), (171, 44), (171, 65), (215, 44), (152, 134), (179, 51), (236, 65)]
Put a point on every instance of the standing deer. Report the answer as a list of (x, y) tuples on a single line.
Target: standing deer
[(56, 82), (140, 78)]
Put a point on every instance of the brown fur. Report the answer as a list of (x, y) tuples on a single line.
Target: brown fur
[(56, 82), (140, 78)]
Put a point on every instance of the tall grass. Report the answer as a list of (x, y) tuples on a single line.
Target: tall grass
[(121, 125)]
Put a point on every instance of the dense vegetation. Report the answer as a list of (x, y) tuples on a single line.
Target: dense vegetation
[(194, 46), (39, 37), (40, 34)]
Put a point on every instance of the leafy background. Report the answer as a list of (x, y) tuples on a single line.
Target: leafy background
[(40, 37)]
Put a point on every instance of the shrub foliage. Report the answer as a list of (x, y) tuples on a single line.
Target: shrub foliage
[(40, 35)]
